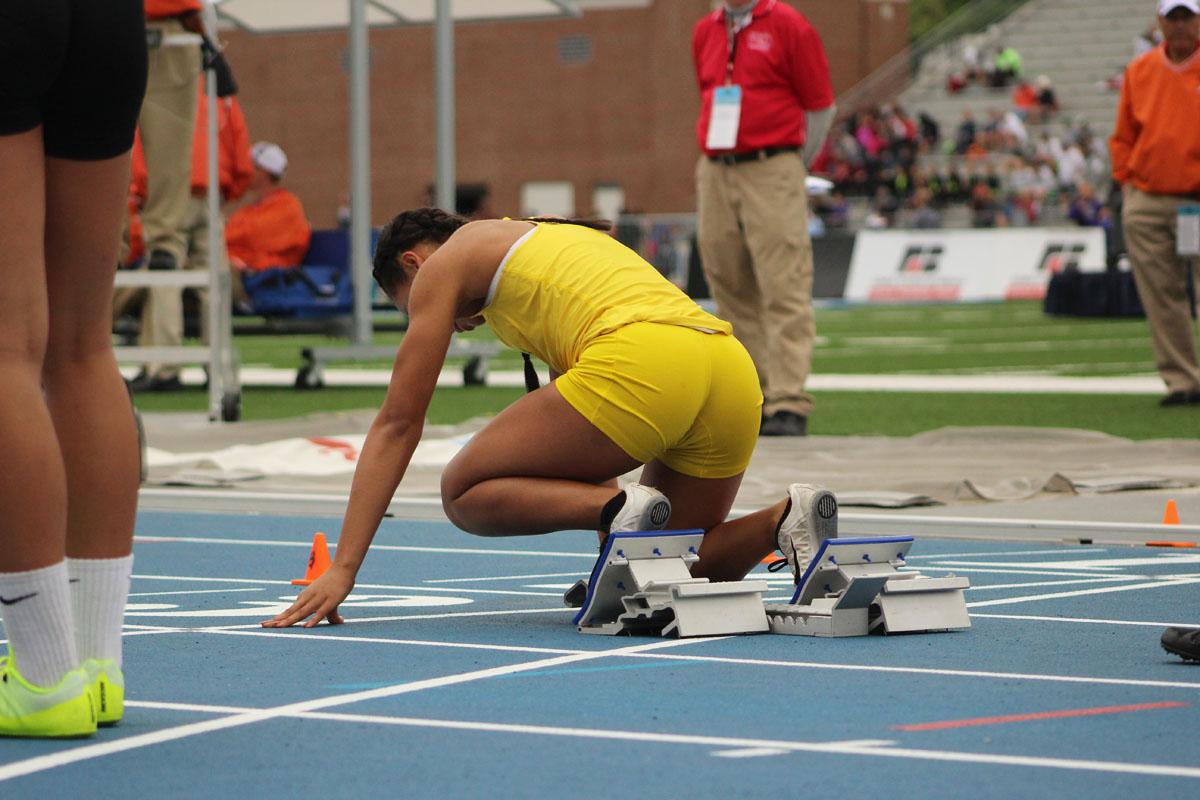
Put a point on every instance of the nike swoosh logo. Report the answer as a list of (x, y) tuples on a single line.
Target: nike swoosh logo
[(13, 601)]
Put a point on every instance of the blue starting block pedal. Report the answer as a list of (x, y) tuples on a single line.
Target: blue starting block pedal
[(641, 584), (853, 587)]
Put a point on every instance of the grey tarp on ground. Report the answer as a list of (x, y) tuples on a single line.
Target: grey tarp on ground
[(954, 466)]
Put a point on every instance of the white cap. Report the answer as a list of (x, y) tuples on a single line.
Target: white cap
[(269, 157), (1167, 6)]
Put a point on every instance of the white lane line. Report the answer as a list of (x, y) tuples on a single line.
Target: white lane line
[(189, 579), (255, 626), (1081, 593), (506, 577), (500, 648), (1058, 551), (356, 586), (955, 673), (1097, 579), (758, 662), (989, 570), (1160, 560), (464, 551), (751, 752), (365, 620), (1139, 623), (733, 747), (74, 755), (191, 591)]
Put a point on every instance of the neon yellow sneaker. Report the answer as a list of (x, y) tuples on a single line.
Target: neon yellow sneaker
[(61, 711), (108, 690)]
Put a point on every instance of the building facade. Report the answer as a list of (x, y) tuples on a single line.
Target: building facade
[(580, 115)]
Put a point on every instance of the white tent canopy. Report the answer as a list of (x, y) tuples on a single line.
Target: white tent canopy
[(356, 16)]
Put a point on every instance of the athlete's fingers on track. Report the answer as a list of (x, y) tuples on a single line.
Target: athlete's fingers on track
[(296, 612)]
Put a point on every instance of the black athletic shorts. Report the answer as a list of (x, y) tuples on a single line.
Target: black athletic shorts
[(78, 69)]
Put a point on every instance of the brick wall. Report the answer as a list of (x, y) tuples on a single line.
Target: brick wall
[(624, 116)]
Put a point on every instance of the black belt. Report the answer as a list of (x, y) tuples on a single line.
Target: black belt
[(752, 155)]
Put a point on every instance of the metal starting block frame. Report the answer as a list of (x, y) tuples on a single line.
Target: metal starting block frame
[(641, 584), (853, 587)]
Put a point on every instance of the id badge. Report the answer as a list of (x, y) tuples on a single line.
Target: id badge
[(725, 117)]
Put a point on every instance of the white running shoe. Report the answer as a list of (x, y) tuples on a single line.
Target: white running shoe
[(811, 520), (644, 509)]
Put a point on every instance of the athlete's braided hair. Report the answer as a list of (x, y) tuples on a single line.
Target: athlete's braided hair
[(406, 230), (409, 228)]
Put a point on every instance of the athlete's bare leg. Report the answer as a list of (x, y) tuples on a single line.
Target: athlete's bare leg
[(540, 466)]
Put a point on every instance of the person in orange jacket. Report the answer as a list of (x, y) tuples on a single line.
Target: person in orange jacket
[(167, 119), (162, 314), (1156, 158), (271, 229)]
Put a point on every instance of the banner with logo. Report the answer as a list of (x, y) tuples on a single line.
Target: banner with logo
[(968, 265)]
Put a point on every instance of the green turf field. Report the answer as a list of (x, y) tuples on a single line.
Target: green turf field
[(1012, 338)]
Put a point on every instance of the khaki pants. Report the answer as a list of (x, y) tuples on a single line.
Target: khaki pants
[(757, 257), (1161, 277), (162, 307), (167, 124)]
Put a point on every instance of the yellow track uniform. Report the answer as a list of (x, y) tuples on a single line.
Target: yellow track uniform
[(639, 359)]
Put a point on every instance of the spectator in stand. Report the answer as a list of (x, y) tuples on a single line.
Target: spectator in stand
[(1087, 210), (835, 210), (1072, 167), (985, 211), (1006, 66), (885, 205), (1156, 157), (921, 213), (1047, 98), (270, 230), (162, 310), (966, 134), (766, 105), (1025, 101), (1025, 209), (930, 131)]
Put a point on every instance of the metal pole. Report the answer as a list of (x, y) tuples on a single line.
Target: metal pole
[(360, 166), (219, 338), (444, 88)]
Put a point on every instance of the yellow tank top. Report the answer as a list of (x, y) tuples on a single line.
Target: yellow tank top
[(561, 286)]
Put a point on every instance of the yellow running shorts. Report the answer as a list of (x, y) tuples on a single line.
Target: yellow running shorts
[(677, 395)]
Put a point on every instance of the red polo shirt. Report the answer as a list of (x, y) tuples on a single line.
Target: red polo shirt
[(780, 65)]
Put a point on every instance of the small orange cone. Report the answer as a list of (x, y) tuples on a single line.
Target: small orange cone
[(1170, 514), (318, 561)]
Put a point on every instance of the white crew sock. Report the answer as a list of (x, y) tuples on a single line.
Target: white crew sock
[(36, 608), (99, 589)]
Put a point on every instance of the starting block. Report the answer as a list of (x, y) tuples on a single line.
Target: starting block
[(641, 584), (853, 587)]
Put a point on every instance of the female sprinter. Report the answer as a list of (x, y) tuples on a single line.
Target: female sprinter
[(641, 375), (72, 77)]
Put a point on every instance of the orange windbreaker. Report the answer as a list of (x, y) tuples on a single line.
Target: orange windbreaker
[(1156, 145), (161, 9), (234, 166), (270, 233)]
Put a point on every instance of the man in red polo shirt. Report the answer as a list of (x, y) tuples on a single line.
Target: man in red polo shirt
[(766, 104)]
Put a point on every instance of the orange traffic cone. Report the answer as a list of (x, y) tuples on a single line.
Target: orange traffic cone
[(318, 561), (1170, 514)]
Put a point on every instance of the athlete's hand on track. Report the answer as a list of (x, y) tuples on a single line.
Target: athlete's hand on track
[(319, 601)]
